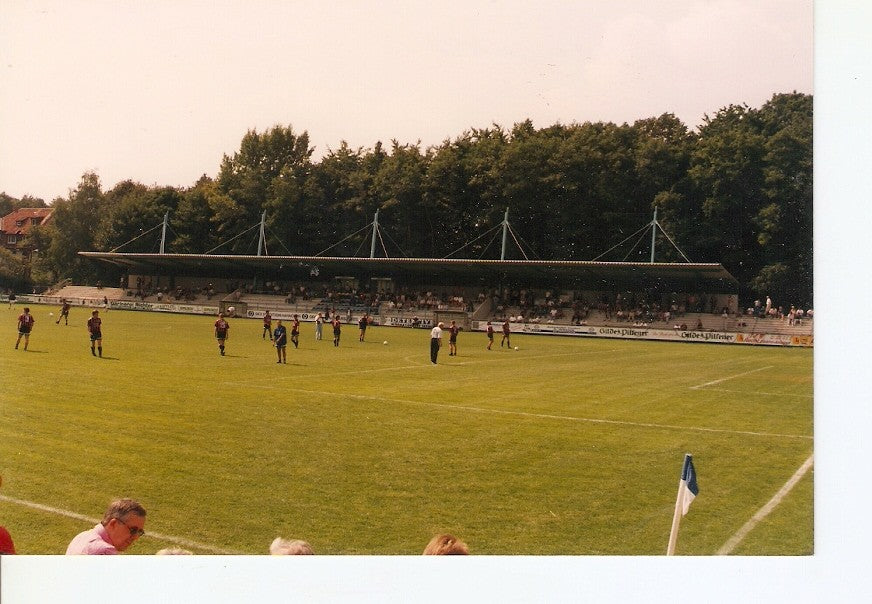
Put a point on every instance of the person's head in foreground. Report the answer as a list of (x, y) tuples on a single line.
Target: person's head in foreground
[(173, 551), (446, 545), (124, 522), (290, 547)]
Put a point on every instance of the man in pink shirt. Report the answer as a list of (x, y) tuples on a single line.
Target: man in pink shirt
[(122, 524)]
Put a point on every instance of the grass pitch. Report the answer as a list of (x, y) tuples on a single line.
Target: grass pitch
[(565, 446)]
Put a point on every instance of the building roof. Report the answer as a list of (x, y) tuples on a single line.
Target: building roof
[(10, 222), (532, 273)]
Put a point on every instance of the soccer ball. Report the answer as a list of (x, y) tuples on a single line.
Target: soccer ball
[(385, 342), (516, 347), (51, 314)]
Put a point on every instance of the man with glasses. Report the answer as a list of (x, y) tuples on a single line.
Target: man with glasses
[(122, 524)]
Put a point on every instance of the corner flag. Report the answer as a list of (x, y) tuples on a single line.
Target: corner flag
[(688, 480), (687, 492)]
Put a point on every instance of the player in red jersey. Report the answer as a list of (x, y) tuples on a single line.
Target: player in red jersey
[(222, 332), (337, 330), (25, 326), (267, 327), (95, 330), (490, 335), (64, 313), (453, 330), (506, 333), (295, 332)]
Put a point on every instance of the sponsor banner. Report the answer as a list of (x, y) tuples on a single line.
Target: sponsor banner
[(188, 309), (406, 322), (647, 333), (286, 315)]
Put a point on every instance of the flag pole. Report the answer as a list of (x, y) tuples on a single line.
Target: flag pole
[(676, 516)]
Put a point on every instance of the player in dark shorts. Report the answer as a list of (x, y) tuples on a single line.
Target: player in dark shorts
[(295, 332), (506, 331), (222, 329), (490, 335), (362, 325), (95, 330), (453, 330), (337, 330), (64, 313), (25, 326), (267, 327), (280, 337)]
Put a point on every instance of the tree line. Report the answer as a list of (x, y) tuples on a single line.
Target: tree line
[(737, 190)]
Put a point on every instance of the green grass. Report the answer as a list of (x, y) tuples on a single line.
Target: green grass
[(566, 446)]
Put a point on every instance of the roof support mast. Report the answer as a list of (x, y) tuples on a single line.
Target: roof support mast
[(260, 240), (163, 233), (654, 226), (505, 232), (374, 233)]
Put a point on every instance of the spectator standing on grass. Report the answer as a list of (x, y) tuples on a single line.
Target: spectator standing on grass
[(453, 330), (222, 332), (490, 335), (25, 326), (290, 547), (122, 524), (267, 327), (64, 313), (295, 332), (506, 333), (319, 326), (95, 331), (435, 341), (446, 545), (280, 337), (337, 330)]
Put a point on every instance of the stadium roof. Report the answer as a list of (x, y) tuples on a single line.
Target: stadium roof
[(432, 271)]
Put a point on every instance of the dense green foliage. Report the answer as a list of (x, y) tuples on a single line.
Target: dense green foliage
[(737, 191), (565, 446)]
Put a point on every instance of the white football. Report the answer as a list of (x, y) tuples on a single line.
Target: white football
[(51, 314), (516, 347), (385, 342)]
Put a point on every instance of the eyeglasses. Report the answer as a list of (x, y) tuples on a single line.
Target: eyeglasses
[(134, 531)]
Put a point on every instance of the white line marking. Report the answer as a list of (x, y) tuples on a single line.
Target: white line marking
[(730, 377), (570, 418), (733, 541), (149, 534), (754, 392)]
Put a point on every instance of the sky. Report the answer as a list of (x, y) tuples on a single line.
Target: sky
[(158, 92)]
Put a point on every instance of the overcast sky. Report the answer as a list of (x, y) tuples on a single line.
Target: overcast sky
[(158, 91)]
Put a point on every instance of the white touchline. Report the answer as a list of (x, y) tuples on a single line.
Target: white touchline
[(733, 541), (152, 535), (730, 377)]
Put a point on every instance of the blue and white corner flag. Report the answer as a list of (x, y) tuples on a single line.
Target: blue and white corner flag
[(688, 481), (687, 492)]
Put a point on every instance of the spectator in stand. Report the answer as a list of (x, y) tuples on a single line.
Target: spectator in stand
[(446, 545), (122, 524), (290, 547)]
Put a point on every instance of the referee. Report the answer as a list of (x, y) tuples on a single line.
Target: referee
[(435, 341)]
